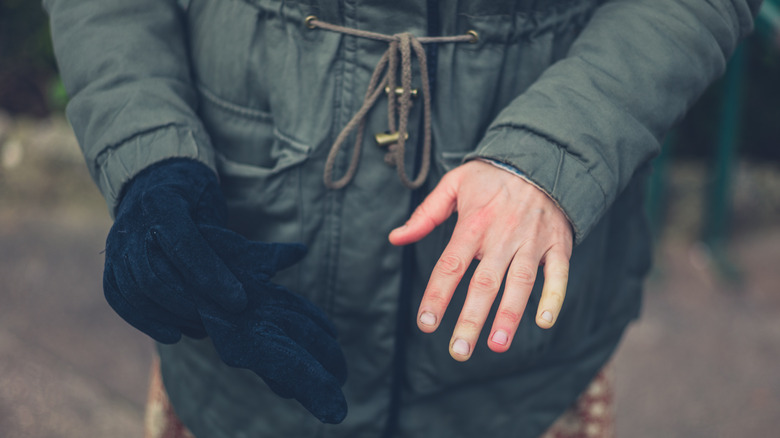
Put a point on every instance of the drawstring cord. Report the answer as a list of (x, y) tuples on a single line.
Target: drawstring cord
[(403, 44)]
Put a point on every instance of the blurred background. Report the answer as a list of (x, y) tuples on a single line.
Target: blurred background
[(702, 361)]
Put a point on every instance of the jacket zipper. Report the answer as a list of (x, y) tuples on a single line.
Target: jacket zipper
[(404, 310)]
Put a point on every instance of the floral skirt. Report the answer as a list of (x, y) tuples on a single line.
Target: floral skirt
[(592, 416)]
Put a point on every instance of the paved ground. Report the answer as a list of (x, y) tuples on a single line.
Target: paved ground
[(702, 362)]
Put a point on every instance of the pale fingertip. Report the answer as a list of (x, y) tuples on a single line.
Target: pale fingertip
[(545, 319), (459, 350), (428, 319)]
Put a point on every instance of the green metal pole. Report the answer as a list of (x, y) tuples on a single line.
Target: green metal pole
[(720, 197), (768, 20), (655, 203)]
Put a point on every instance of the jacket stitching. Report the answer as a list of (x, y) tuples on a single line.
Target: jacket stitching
[(238, 109), (560, 146)]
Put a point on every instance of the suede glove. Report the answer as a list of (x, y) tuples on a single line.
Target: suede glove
[(281, 336), (157, 263), (172, 268)]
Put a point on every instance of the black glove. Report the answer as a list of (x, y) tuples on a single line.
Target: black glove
[(281, 336), (157, 263), (166, 278)]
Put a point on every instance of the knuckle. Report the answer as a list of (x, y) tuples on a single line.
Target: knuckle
[(556, 298), (485, 281), (560, 269), (563, 247), (522, 275), (510, 316), (469, 324), (436, 300), (449, 264)]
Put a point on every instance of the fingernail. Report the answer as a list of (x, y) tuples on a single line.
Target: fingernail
[(460, 347), (547, 316), (428, 318), (500, 337)]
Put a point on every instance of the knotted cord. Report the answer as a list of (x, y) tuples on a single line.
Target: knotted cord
[(401, 45)]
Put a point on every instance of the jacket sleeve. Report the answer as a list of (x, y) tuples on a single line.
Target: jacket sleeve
[(125, 67), (596, 116)]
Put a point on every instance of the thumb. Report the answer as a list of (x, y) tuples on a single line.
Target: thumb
[(435, 209)]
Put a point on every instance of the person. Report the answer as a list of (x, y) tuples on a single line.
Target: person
[(499, 225)]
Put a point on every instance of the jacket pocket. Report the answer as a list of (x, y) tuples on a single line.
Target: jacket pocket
[(259, 169), (220, 36), (265, 202), (244, 181)]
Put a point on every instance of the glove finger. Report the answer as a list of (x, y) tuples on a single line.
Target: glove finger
[(320, 344), (318, 340), (276, 296), (289, 369), (201, 266), (249, 257), (165, 285), (293, 371), (159, 331), (123, 289)]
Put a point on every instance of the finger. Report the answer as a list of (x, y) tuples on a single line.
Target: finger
[(520, 280), (482, 292), (160, 332), (556, 277), (305, 322), (276, 296), (318, 343), (435, 209), (201, 266), (251, 257), (136, 295), (238, 335), (291, 371), (160, 281), (446, 275)]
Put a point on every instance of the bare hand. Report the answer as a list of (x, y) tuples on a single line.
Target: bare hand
[(512, 227)]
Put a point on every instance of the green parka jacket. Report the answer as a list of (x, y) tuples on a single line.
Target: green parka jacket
[(576, 94)]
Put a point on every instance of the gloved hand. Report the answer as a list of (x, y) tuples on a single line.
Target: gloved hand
[(281, 336), (167, 279), (157, 263)]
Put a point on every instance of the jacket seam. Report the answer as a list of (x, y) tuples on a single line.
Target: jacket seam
[(531, 11), (561, 147), (103, 156), (558, 171), (235, 108)]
